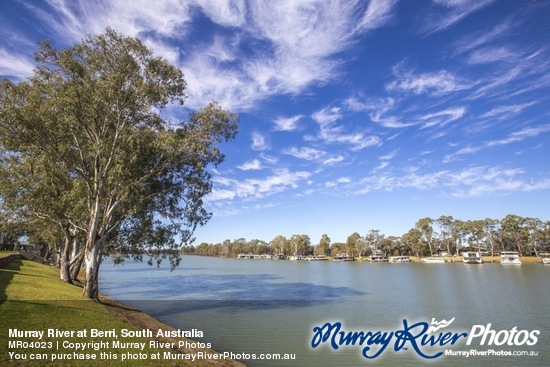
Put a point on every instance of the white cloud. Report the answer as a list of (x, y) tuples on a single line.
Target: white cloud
[(310, 154), (463, 151), (529, 132), (256, 188), (327, 115), (287, 123), (469, 182), (252, 165), (453, 11), (378, 13), (15, 65), (259, 142), (489, 55), (442, 118), (478, 39), (335, 134), (437, 83), (333, 160), (506, 110)]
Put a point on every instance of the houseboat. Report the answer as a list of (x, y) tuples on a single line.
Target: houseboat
[(316, 258), (434, 260), (378, 258), (399, 259), (343, 257), (510, 257), (296, 257), (470, 257), (544, 258)]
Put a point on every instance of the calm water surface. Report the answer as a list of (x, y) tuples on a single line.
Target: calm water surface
[(268, 306)]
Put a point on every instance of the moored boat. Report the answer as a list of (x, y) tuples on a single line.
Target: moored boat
[(399, 259), (296, 257), (343, 257), (510, 257), (378, 258), (470, 257), (544, 258), (434, 260), (316, 258)]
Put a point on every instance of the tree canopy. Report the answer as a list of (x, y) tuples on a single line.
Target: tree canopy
[(86, 146)]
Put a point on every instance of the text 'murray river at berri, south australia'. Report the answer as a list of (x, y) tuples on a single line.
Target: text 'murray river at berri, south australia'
[(268, 306)]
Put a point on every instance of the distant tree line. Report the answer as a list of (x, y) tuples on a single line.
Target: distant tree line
[(444, 235)]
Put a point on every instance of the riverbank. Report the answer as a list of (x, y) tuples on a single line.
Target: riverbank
[(32, 298)]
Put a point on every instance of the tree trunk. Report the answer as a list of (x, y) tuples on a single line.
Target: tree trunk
[(64, 263), (93, 260), (76, 260)]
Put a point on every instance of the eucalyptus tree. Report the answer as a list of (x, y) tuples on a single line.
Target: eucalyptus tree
[(491, 230), (447, 224), (514, 232), (413, 241), (324, 245), (280, 245), (354, 244), (299, 244), (535, 233), (373, 240), (91, 119), (425, 227)]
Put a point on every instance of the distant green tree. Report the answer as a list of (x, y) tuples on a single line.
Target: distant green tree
[(280, 245), (413, 241), (427, 232), (88, 129), (354, 244), (514, 232), (324, 245)]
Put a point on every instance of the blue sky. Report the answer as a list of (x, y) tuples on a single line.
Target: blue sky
[(355, 115)]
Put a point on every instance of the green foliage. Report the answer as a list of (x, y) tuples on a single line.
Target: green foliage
[(85, 145)]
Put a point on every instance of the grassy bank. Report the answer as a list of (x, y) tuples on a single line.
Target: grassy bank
[(33, 298)]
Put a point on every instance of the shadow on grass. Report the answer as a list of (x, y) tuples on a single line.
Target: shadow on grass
[(6, 275)]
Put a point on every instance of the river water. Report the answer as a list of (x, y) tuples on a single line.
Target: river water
[(267, 306)]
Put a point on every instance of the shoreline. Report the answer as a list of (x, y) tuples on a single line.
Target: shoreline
[(115, 311)]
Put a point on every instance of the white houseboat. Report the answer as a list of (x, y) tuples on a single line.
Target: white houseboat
[(343, 257), (470, 257), (434, 260), (510, 257), (399, 259), (296, 257), (378, 258), (544, 258)]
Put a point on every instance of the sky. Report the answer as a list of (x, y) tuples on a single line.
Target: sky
[(354, 115)]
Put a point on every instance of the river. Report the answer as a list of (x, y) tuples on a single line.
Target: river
[(268, 306)]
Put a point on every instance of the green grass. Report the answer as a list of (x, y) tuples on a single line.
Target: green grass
[(32, 297), (6, 253)]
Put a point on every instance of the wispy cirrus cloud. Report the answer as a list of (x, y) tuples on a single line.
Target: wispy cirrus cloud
[(307, 153), (443, 117), (332, 133), (255, 164), (517, 136), (14, 65), (285, 63), (506, 111), (478, 181), (492, 54), (378, 13), (278, 181), (451, 12), (433, 83), (287, 123)]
